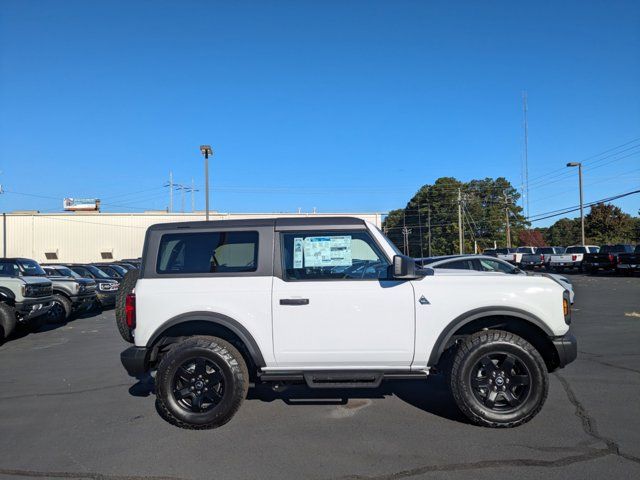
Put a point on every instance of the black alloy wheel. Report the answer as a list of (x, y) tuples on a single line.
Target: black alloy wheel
[(500, 381), (198, 386)]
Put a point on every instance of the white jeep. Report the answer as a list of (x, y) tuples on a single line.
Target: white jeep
[(331, 302)]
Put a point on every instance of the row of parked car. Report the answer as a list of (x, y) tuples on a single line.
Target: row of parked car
[(32, 294), (622, 259)]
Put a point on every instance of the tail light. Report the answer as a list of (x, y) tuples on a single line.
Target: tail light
[(611, 259), (542, 258), (574, 258), (130, 310)]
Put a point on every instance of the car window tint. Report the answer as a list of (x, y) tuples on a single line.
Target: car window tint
[(457, 265), (324, 255), (493, 266), (208, 252)]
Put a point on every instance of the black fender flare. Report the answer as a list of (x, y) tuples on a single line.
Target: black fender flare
[(7, 294), (476, 314), (217, 319)]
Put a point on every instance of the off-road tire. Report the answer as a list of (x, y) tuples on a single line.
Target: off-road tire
[(489, 342), (126, 287), (232, 367), (7, 320), (63, 306)]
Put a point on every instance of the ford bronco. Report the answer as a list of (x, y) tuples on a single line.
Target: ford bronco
[(332, 303)]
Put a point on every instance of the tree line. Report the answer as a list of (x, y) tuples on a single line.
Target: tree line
[(488, 212)]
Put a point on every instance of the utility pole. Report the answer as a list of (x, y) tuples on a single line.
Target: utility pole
[(170, 185), (506, 212), (460, 233), (420, 227), (429, 223), (405, 233), (579, 165), (193, 198)]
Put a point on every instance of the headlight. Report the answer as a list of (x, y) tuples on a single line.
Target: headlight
[(27, 291), (82, 288)]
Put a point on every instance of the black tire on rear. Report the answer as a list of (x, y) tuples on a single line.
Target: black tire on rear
[(497, 343), (7, 320), (228, 365), (127, 285), (61, 309)]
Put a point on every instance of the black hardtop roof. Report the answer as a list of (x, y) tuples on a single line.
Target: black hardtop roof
[(13, 259), (263, 222)]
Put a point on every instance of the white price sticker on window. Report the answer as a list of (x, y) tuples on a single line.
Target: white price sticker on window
[(326, 251)]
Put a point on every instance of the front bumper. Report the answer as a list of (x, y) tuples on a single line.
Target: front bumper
[(106, 298), (33, 307), (567, 348), (135, 360), (83, 300)]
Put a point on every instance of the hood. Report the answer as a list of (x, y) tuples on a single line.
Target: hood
[(80, 281), (34, 280)]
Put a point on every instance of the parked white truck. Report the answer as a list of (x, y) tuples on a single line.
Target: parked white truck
[(571, 258), (332, 303)]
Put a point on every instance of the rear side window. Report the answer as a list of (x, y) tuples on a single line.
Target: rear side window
[(458, 265), (208, 252)]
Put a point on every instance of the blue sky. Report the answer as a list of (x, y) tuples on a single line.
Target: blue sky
[(339, 105)]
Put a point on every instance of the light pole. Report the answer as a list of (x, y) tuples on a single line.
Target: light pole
[(206, 152), (579, 165)]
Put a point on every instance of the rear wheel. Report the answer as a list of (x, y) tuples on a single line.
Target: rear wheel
[(201, 383), (126, 287), (498, 379)]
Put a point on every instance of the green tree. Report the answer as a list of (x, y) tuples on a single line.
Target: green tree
[(483, 216), (606, 223), (565, 231)]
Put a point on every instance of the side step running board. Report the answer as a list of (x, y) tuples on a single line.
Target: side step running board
[(343, 379)]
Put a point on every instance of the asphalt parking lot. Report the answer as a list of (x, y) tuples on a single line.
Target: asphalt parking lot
[(68, 410)]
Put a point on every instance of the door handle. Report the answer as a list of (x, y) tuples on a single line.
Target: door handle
[(294, 301)]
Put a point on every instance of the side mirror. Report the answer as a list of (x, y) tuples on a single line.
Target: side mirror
[(405, 268)]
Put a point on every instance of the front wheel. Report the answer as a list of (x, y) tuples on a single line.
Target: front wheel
[(498, 379), (60, 311), (201, 383)]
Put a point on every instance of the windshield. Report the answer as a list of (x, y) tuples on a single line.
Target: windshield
[(31, 268), (121, 270), (67, 272), (96, 271)]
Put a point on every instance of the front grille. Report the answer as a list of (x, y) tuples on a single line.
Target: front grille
[(90, 288), (40, 290)]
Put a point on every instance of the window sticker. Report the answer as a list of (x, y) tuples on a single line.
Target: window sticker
[(297, 252), (327, 251)]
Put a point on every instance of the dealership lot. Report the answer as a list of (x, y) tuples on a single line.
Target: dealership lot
[(68, 410)]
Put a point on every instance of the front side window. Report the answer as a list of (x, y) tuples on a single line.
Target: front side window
[(343, 255), (208, 252)]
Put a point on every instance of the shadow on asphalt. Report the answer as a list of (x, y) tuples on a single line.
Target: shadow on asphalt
[(431, 395), (22, 331)]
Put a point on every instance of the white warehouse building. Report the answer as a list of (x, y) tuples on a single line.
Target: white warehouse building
[(93, 237)]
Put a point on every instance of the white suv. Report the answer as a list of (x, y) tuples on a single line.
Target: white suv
[(332, 303)]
